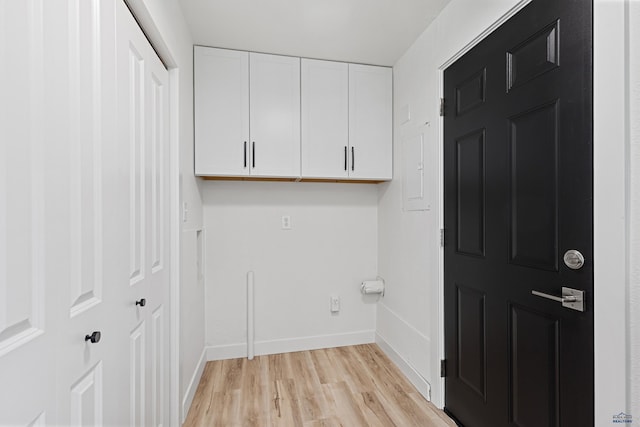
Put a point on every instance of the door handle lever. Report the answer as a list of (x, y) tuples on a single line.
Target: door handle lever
[(571, 298), (568, 298)]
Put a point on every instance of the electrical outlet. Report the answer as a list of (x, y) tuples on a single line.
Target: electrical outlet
[(286, 222), (335, 303), (185, 212)]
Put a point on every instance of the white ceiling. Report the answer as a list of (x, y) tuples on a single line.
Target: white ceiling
[(366, 31)]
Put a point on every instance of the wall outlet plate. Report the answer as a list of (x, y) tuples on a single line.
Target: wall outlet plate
[(334, 303)]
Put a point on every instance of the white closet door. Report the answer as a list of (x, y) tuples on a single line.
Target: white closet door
[(144, 206), (81, 183), (58, 115), (325, 119), (84, 177), (275, 115), (221, 100), (370, 122), (27, 329)]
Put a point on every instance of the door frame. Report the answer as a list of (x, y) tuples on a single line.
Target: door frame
[(611, 210), (158, 41)]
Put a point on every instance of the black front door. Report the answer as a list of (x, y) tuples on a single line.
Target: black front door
[(518, 196)]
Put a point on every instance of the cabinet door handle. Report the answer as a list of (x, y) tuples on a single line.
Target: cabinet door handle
[(345, 157), (253, 154), (245, 154), (353, 159)]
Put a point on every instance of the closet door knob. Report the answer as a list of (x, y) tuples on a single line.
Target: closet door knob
[(142, 302), (94, 337)]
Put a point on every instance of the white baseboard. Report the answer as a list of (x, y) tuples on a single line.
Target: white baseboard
[(235, 351), (193, 386), (405, 367)]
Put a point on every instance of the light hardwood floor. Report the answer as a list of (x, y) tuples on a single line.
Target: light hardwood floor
[(346, 386)]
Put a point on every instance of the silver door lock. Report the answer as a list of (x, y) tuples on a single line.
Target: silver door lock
[(573, 259)]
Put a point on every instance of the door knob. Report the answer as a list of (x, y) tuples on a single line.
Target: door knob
[(571, 298), (142, 302), (94, 337)]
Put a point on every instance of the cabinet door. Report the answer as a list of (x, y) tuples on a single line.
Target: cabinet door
[(325, 119), (275, 115), (221, 111), (370, 134)]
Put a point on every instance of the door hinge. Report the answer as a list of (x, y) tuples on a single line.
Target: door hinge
[(441, 107), (443, 368), (442, 237)]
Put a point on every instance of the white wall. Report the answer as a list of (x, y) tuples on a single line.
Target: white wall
[(163, 22), (409, 256), (634, 202), (330, 249), (617, 213)]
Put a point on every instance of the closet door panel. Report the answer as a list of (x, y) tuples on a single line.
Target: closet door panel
[(27, 331), (80, 242), (143, 294)]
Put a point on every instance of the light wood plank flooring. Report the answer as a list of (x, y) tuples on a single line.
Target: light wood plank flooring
[(346, 386)]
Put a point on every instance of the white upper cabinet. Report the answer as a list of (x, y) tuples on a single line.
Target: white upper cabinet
[(370, 127), (275, 115), (325, 119), (234, 137), (221, 81), (267, 116), (346, 121)]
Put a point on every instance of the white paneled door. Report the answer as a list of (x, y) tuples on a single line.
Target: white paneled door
[(27, 335), (81, 82), (83, 217), (144, 195)]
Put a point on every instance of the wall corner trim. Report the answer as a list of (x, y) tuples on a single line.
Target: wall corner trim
[(405, 367), (193, 386)]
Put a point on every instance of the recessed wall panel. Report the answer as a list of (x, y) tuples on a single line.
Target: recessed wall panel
[(137, 193), (471, 338), (86, 156), (413, 183), (470, 192), (534, 188), (535, 56), (22, 191), (534, 369)]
